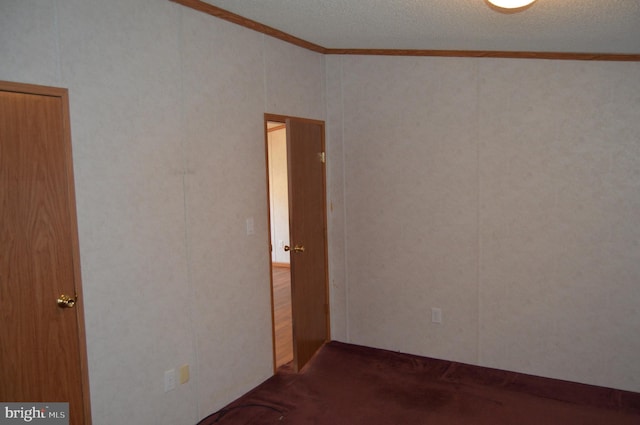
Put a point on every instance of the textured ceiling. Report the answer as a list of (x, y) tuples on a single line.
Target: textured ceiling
[(577, 26)]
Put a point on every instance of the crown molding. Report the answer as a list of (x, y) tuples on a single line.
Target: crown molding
[(276, 33), (489, 54), (248, 23)]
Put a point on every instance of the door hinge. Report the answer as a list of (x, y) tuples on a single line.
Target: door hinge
[(323, 157)]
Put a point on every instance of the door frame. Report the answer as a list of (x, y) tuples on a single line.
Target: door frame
[(63, 95), (282, 119)]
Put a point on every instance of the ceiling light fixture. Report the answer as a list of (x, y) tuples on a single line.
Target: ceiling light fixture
[(511, 5)]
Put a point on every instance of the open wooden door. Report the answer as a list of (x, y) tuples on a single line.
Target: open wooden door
[(308, 241), (42, 349)]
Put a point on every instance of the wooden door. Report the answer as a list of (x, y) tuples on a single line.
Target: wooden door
[(307, 237), (42, 354)]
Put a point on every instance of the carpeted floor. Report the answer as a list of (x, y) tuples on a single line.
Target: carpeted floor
[(353, 385)]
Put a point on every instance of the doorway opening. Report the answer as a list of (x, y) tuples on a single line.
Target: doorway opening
[(297, 158), (280, 259)]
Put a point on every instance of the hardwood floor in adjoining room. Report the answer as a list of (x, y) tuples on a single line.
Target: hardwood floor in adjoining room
[(282, 314)]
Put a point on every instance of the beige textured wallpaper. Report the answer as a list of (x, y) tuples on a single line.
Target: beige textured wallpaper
[(167, 124), (506, 193)]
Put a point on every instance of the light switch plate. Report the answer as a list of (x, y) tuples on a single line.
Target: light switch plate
[(250, 226)]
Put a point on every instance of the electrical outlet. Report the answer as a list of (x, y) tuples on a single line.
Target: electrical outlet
[(169, 380), (184, 374), (436, 315)]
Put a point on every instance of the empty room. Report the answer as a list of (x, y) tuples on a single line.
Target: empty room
[(478, 209)]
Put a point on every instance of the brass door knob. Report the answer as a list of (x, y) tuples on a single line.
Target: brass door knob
[(297, 248), (65, 301)]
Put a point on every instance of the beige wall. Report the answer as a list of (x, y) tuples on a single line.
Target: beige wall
[(505, 192), (278, 195), (167, 123)]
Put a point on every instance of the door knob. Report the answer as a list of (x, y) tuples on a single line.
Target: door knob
[(297, 248), (65, 301)]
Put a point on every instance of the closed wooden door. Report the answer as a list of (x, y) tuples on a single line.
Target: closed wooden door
[(42, 350), (307, 237)]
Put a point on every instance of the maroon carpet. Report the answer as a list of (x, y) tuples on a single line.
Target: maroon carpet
[(352, 385)]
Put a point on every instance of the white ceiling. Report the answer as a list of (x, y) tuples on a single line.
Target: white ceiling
[(575, 26)]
